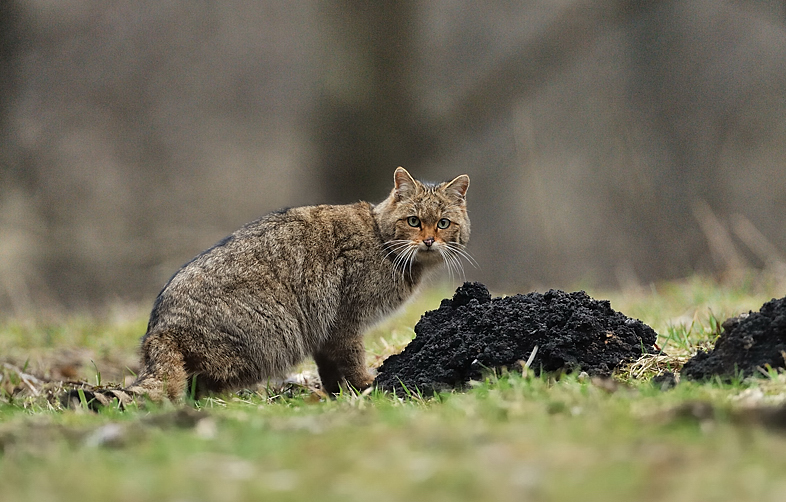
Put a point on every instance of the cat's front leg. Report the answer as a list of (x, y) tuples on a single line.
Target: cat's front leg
[(342, 363)]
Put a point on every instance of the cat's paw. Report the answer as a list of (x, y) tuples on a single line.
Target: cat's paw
[(360, 382), (355, 384)]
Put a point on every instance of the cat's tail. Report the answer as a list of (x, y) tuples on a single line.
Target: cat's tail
[(148, 386), (94, 398), (164, 377)]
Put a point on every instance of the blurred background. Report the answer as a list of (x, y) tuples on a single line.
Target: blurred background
[(612, 143)]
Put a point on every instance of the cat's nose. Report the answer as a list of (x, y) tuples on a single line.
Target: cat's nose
[(428, 242)]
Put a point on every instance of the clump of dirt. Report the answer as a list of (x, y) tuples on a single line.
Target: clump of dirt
[(472, 333), (665, 381), (748, 342)]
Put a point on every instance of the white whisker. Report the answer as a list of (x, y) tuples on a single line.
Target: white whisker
[(412, 252), (396, 248), (404, 252), (454, 261), (451, 265), (447, 262), (460, 250), (400, 261)]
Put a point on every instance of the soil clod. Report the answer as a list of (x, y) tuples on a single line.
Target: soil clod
[(472, 333), (665, 381), (748, 344)]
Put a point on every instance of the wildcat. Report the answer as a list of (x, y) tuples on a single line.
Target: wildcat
[(300, 282)]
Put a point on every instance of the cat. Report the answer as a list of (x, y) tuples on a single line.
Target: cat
[(300, 282)]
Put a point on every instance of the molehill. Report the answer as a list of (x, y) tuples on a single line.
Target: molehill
[(747, 342), (472, 333)]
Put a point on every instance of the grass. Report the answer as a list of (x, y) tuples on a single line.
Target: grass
[(510, 437)]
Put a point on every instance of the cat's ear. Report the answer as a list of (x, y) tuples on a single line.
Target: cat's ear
[(404, 184), (458, 187)]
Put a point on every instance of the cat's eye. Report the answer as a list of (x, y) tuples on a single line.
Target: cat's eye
[(443, 223), (413, 221)]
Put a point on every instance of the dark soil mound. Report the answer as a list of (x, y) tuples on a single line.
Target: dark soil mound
[(473, 332), (747, 342)]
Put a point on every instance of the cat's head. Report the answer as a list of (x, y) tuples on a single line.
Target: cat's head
[(425, 223)]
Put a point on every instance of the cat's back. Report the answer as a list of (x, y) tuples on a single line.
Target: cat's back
[(297, 252), (300, 236)]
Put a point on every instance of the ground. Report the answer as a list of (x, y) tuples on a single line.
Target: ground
[(472, 334), (751, 343), (506, 435)]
